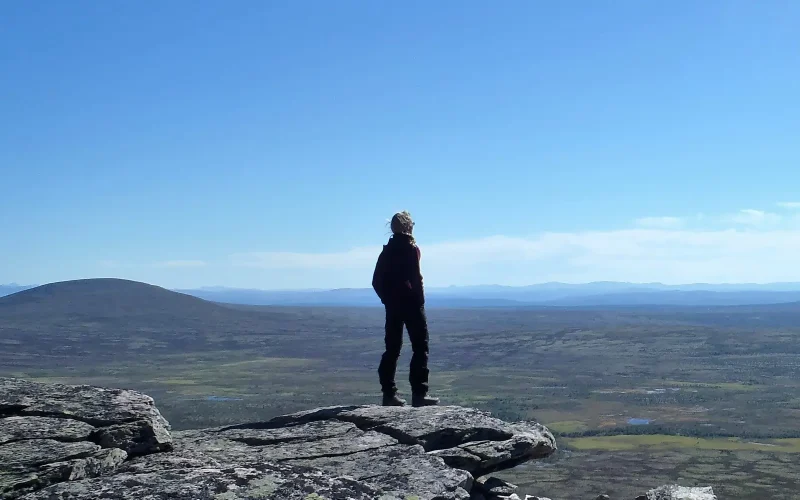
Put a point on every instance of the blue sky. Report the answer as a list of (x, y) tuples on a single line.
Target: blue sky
[(264, 144)]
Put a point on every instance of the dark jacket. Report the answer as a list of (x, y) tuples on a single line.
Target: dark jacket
[(397, 278)]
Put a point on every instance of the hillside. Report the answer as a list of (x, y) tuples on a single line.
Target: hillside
[(10, 288), (105, 320), (104, 298)]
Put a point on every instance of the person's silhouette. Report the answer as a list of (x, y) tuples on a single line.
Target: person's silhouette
[(398, 282)]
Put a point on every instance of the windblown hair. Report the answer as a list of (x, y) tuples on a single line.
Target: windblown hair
[(401, 223)]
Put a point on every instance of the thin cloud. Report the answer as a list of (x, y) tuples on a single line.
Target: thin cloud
[(746, 246), (182, 263), (753, 217), (351, 259), (638, 255), (792, 205), (660, 222)]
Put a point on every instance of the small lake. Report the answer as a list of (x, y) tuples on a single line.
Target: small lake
[(221, 398), (638, 421)]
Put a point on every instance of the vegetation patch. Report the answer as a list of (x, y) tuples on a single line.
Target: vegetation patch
[(726, 386), (567, 426), (664, 442)]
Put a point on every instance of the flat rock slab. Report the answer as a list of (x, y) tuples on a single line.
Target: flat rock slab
[(253, 435), (672, 492), (94, 405), (35, 464), (486, 443), (429, 452), (404, 471), (499, 455), (424, 452), (227, 446), (263, 481), (35, 452), (336, 448), (62, 429)]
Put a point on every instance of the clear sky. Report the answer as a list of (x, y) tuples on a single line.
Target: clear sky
[(264, 144)]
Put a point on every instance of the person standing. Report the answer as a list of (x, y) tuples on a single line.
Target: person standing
[(397, 280)]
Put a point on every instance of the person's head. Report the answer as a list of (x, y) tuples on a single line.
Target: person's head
[(402, 224)]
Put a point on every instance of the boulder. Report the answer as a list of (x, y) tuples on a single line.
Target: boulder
[(51, 433)]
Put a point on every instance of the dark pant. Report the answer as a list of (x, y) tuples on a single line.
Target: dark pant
[(413, 317)]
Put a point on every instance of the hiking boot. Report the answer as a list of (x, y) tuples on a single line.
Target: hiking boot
[(418, 400), (393, 400)]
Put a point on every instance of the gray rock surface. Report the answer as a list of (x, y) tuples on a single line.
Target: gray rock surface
[(674, 492), (60, 442), (51, 433), (95, 406), (186, 480), (459, 458), (36, 452), (463, 437), (401, 471), (62, 429), (492, 487), (404, 450), (80, 442)]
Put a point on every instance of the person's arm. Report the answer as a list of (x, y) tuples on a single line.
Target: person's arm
[(413, 274), (418, 271), (377, 278)]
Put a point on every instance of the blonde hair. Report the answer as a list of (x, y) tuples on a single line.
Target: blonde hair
[(401, 223)]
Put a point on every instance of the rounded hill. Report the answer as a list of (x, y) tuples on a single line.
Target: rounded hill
[(106, 320), (105, 298)]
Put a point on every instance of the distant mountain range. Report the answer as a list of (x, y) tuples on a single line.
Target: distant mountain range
[(10, 288), (546, 294), (597, 294)]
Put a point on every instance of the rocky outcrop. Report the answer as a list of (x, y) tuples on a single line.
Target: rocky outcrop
[(78, 442), (402, 451), (61, 442), (55, 433)]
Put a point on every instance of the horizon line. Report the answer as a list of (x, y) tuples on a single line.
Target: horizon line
[(212, 288)]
